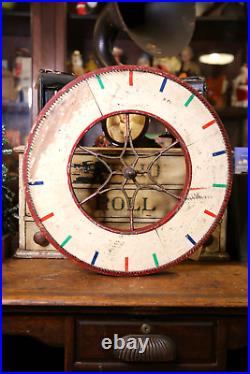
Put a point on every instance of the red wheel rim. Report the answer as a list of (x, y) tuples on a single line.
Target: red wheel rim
[(33, 209)]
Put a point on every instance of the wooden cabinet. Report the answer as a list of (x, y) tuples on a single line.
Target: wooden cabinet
[(186, 334), (201, 308)]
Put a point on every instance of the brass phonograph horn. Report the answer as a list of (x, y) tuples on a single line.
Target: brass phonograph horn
[(161, 29)]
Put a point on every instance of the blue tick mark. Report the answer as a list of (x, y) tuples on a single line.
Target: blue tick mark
[(218, 153), (191, 239), (94, 258), (163, 84), (36, 183)]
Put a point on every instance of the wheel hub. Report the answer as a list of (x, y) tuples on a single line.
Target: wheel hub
[(129, 172)]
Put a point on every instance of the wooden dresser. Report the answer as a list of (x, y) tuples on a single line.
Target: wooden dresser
[(201, 308)]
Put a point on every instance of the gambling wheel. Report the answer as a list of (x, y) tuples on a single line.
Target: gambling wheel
[(162, 221)]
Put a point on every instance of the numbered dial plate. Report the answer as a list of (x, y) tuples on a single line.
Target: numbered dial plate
[(48, 166)]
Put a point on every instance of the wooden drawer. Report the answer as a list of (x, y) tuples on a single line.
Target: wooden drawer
[(196, 343)]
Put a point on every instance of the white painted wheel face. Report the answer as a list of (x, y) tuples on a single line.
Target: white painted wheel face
[(56, 134)]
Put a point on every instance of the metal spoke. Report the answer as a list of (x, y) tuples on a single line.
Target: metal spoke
[(161, 188), (130, 207), (134, 163), (160, 154), (99, 191), (129, 146), (89, 197), (158, 188)]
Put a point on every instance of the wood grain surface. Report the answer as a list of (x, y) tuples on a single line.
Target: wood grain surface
[(60, 282)]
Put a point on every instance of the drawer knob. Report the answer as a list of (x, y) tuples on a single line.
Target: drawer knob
[(145, 328), (156, 348), (40, 239)]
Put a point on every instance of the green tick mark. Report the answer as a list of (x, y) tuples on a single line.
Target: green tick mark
[(189, 100), (155, 259), (100, 82), (66, 240), (219, 185)]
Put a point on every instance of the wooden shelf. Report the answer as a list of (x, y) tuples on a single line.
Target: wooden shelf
[(16, 23), (13, 14), (87, 17)]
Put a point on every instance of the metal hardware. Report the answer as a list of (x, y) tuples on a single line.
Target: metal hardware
[(159, 348), (40, 239), (145, 328)]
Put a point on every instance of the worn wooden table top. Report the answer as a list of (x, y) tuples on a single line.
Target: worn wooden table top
[(45, 282)]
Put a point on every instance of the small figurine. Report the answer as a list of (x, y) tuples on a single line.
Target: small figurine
[(168, 64), (144, 60), (9, 90), (76, 65), (240, 88), (117, 53), (22, 73), (188, 66), (90, 64), (92, 6), (101, 141), (81, 8), (216, 89)]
